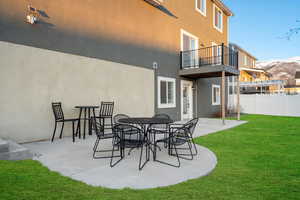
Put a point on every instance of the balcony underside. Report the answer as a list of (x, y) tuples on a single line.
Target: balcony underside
[(208, 71)]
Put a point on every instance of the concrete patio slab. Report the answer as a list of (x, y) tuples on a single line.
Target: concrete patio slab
[(75, 160), (207, 126)]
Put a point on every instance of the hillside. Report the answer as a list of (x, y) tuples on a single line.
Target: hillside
[(282, 69)]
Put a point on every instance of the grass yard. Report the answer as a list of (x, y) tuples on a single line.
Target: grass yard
[(258, 160)]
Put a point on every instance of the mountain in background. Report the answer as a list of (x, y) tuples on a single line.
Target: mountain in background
[(282, 69)]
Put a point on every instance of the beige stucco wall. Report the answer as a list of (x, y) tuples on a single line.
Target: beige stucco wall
[(32, 78)]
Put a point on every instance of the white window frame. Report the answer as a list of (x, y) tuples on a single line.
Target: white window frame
[(215, 45), (199, 10), (167, 105), (214, 17), (245, 60), (218, 100), (184, 32)]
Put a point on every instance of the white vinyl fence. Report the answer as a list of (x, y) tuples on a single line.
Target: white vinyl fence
[(271, 104)]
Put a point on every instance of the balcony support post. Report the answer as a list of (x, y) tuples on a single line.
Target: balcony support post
[(238, 98), (238, 89), (223, 97)]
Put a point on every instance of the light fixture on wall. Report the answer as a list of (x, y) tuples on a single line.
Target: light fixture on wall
[(32, 15), (154, 65)]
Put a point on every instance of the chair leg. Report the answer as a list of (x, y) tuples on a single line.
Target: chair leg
[(194, 144), (73, 131), (113, 156), (79, 129), (111, 123), (184, 155), (141, 155), (95, 149), (96, 144), (54, 132), (176, 154), (62, 129)]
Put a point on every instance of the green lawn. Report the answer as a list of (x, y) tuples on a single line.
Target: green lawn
[(258, 160)]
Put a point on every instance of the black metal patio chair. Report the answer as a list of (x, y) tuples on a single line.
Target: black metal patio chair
[(118, 117), (180, 135), (106, 112), (60, 118), (129, 137), (173, 141), (101, 135), (159, 129), (187, 130)]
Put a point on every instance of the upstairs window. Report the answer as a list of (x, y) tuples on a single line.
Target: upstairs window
[(218, 18), (245, 60), (201, 6), (189, 46), (166, 92)]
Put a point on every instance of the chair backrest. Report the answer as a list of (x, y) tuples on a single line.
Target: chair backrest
[(128, 132), (57, 111), (161, 126), (118, 117), (99, 129), (191, 125), (106, 109)]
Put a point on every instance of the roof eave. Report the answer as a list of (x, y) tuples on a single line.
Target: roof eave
[(225, 9)]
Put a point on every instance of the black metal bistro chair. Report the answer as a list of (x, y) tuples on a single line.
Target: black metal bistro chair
[(159, 129), (60, 118), (101, 136), (129, 137), (179, 136), (190, 126), (118, 117), (106, 112)]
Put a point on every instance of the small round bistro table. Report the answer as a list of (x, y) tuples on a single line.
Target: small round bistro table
[(88, 112)]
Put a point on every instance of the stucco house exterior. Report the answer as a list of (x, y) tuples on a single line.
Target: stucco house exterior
[(147, 56)]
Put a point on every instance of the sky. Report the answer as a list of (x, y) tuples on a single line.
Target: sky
[(259, 26)]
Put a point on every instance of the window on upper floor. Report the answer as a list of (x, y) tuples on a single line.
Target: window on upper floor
[(218, 18), (166, 92), (201, 6), (216, 53), (189, 46), (245, 60)]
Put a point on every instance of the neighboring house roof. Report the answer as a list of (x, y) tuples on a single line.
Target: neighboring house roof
[(251, 69), (241, 49), (222, 6), (219, 3), (256, 70), (297, 75), (292, 86)]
